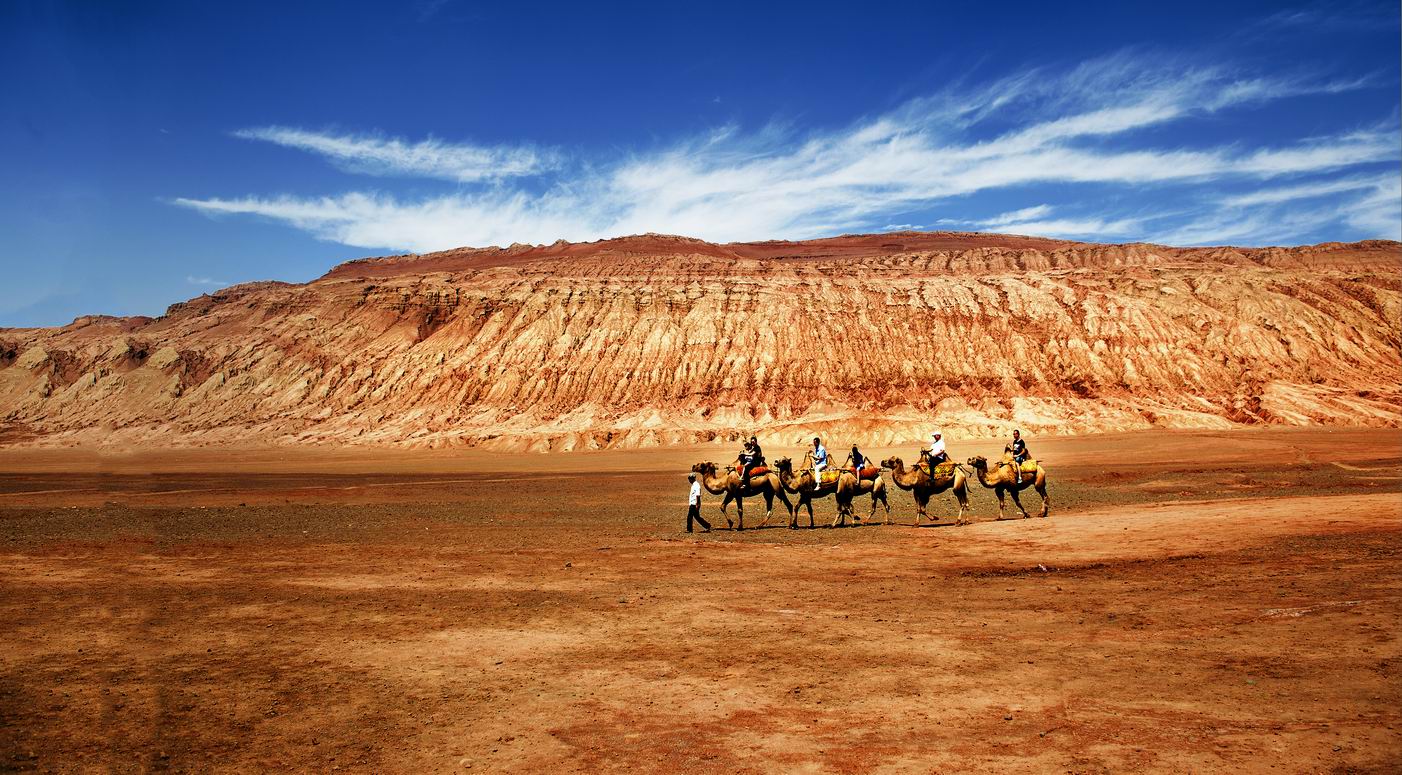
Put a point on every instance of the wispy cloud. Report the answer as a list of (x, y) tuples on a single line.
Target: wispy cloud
[(393, 156), (1083, 126), (429, 9), (192, 280), (1372, 207), (1312, 190), (1017, 216), (1034, 221)]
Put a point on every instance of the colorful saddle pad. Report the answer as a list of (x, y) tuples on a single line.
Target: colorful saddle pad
[(942, 471), (1029, 466), (759, 471), (829, 476), (869, 472)]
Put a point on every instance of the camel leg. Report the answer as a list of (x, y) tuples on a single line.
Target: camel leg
[(788, 506), (840, 515), (809, 503), (726, 502), (768, 508), (1046, 499), (921, 503), (963, 498), (740, 513), (1017, 501), (999, 492)]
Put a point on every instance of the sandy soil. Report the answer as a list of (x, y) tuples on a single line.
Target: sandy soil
[(1213, 602)]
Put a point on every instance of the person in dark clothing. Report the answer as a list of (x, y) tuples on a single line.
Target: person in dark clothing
[(1020, 454), (693, 508), (857, 460), (748, 458), (759, 453)]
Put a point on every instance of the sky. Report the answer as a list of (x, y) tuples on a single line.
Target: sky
[(154, 151)]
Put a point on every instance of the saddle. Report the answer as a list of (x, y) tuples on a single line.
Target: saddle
[(868, 472), (758, 471), (1029, 466), (942, 471), (829, 476)]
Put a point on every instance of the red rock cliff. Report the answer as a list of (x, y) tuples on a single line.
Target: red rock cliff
[(664, 340)]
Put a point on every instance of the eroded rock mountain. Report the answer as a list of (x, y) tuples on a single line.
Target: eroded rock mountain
[(657, 340)]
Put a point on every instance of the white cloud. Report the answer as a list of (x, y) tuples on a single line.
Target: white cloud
[(1032, 221), (1073, 227), (191, 279), (1307, 191), (428, 158), (1017, 216), (1271, 216), (727, 185), (1377, 213)]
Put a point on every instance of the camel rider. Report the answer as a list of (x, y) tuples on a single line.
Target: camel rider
[(820, 461), (937, 452), (857, 460), (1019, 450), (748, 458), (759, 453)]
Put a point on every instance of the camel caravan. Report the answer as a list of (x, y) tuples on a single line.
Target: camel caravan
[(814, 479)]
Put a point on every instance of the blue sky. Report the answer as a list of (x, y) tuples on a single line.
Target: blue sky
[(152, 151)]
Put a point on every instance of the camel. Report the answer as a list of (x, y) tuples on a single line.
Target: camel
[(850, 486), (922, 487), (766, 485), (801, 484), (1004, 479)]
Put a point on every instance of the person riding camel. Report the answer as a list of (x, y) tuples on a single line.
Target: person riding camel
[(857, 461), (937, 453), (820, 461), (1019, 450), (759, 453), (748, 460)]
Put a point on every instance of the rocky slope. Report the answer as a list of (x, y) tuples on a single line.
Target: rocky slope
[(658, 340)]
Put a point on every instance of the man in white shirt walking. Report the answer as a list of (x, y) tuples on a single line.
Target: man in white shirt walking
[(693, 509)]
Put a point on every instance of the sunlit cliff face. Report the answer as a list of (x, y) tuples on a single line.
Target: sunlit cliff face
[(654, 340)]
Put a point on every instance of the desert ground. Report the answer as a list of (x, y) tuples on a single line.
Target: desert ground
[(1195, 602)]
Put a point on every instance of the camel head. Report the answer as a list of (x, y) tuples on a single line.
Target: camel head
[(892, 463), (784, 464), (979, 462), (705, 469)]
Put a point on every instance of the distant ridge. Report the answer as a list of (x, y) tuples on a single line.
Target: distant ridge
[(654, 340)]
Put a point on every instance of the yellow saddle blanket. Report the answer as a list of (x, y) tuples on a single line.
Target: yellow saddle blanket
[(942, 471), (1029, 466), (829, 476)]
